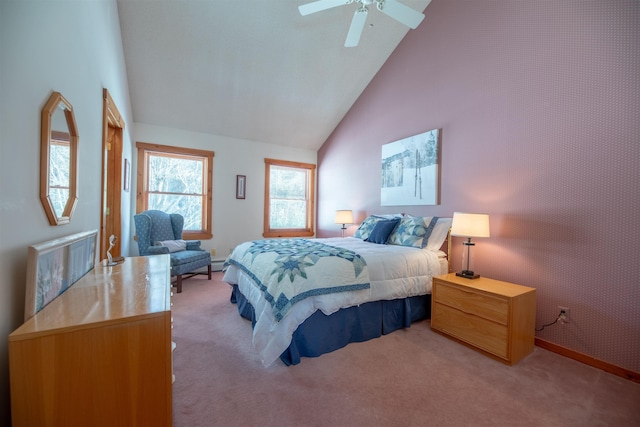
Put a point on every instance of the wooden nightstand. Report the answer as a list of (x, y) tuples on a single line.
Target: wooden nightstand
[(494, 317)]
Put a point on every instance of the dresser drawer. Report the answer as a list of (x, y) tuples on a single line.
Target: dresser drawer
[(482, 333), (489, 307)]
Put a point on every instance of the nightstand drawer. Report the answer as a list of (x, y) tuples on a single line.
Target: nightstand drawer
[(487, 306), (485, 334)]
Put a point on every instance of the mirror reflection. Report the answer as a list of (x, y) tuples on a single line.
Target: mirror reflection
[(58, 160)]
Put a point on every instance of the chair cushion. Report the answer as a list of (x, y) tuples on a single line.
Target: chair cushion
[(186, 257), (188, 261)]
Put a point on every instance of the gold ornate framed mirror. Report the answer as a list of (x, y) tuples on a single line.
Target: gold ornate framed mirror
[(58, 160)]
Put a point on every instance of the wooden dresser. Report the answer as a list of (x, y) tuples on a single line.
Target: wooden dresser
[(100, 353), (497, 318)]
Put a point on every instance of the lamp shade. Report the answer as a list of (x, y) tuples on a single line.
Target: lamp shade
[(344, 217), (470, 225)]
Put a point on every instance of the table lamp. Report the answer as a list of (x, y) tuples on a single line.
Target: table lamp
[(344, 217), (469, 225)]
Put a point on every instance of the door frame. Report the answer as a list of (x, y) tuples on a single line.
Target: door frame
[(112, 182)]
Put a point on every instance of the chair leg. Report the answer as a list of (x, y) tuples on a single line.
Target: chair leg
[(179, 282), (209, 271)]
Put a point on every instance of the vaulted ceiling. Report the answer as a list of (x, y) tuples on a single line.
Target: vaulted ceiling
[(251, 69)]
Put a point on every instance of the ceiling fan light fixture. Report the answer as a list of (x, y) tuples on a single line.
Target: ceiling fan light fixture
[(392, 8)]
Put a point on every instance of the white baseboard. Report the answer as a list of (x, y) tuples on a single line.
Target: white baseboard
[(217, 264)]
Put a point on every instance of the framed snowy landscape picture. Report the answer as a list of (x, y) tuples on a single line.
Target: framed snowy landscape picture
[(411, 170)]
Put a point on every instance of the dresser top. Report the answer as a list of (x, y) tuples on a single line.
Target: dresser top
[(487, 285), (140, 286)]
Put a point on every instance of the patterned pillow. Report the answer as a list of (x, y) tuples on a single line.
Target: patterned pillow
[(366, 227), (413, 231)]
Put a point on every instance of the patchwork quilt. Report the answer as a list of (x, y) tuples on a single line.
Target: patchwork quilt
[(290, 270)]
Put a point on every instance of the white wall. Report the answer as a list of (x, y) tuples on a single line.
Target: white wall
[(74, 48), (234, 220)]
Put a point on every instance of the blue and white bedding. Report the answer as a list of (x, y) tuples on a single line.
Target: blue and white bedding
[(288, 271), (393, 272)]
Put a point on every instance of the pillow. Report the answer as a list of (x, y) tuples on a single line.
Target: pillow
[(173, 245), (382, 230), (367, 225), (389, 216), (439, 234), (413, 231)]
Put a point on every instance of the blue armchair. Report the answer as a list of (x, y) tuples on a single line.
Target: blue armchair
[(153, 227)]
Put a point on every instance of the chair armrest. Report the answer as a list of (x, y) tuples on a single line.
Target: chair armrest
[(157, 250), (193, 245)]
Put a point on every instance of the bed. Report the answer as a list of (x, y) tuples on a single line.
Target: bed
[(308, 297)]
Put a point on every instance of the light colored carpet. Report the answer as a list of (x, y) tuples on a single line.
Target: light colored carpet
[(412, 377)]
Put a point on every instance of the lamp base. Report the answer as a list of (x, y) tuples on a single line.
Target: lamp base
[(113, 261), (467, 274)]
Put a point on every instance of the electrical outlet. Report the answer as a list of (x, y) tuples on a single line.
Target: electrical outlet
[(565, 314), (213, 252)]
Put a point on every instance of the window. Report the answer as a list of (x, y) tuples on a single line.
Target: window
[(289, 199), (177, 180)]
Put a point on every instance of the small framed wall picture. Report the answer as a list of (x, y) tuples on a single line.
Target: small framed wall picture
[(241, 184)]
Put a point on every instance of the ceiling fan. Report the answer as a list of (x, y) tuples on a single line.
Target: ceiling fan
[(398, 11)]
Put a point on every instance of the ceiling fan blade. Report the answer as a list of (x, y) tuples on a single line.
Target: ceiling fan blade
[(357, 25), (401, 13), (320, 5)]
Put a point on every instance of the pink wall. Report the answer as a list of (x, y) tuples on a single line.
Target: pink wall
[(539, 106)]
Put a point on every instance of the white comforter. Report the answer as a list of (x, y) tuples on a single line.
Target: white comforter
[(394, 271)]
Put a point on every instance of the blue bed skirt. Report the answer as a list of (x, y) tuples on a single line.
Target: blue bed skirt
[(321, 334)]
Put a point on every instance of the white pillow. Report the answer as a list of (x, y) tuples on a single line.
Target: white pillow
[(173, 245), (389, 216), (439, 234)]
